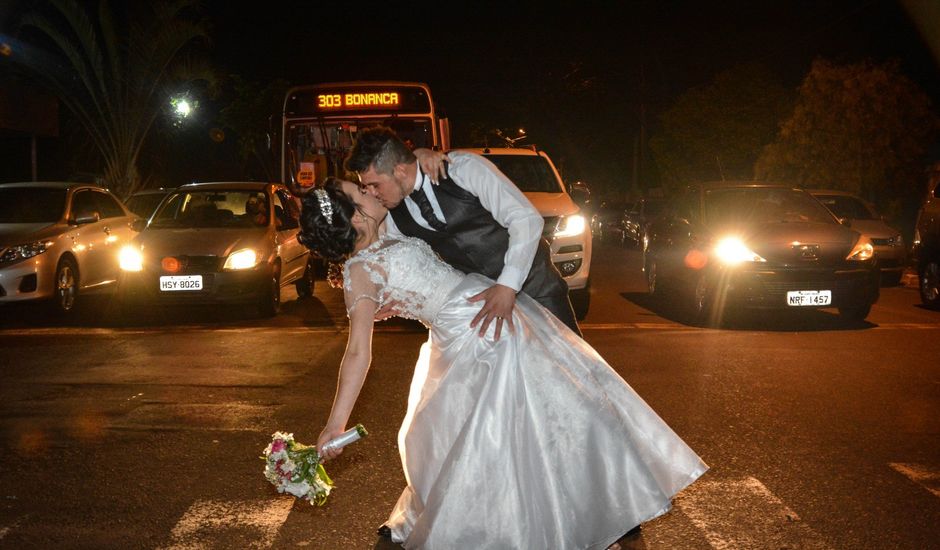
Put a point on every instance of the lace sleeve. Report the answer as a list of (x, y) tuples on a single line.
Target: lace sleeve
[(363, 282)]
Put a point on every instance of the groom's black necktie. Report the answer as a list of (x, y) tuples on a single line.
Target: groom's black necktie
[(421, 199)]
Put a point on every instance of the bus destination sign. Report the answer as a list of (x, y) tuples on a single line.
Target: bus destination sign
[(358, 100)]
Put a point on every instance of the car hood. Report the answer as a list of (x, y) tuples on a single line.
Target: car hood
[(200, 241), (875, 229), (781, 242), (23, 233), (552, 204)]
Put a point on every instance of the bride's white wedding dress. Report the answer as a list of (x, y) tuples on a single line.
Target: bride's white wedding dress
[(531, 441)]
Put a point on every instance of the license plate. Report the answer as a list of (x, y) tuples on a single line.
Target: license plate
[(809, 298), (180, 282)]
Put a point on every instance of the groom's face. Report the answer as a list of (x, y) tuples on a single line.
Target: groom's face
[(390, 189)]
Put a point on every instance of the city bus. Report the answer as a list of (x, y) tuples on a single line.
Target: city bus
[(321, 122)]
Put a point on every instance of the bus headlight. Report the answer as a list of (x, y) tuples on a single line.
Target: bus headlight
[(131, 259), (569, 226), (245, 258)]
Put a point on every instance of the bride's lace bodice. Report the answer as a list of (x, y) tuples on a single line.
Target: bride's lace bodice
[(400, 269)]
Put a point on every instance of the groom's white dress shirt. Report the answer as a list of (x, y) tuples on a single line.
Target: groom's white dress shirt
[(501, 197)]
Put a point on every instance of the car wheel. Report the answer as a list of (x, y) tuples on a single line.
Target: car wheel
[(271, 297), (306, 283), (929, 278), (701, 307), (652, 277), (66, 286), (581, 301), (856, 313)]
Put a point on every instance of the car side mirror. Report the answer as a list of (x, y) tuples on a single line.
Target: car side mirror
[(86, 217)]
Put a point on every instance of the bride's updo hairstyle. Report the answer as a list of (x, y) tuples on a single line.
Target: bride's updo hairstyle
[(326, 222)]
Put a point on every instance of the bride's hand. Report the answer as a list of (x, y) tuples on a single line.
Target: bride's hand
[(432, 163), (327, 435)]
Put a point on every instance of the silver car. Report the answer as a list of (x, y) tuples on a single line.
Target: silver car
[(890, 253), (219, 243), (59, 240)]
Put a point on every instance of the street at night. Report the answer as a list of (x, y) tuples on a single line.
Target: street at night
[(147, 432)]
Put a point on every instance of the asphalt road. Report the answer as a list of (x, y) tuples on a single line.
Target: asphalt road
[(146, 431)]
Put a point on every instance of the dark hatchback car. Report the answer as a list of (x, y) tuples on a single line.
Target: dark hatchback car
[(730, 246)]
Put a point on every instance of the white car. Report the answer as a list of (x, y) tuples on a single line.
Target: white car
[(59, 240), (567, 228)]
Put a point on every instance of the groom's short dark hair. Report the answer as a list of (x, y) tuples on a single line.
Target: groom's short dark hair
[(380, 147)]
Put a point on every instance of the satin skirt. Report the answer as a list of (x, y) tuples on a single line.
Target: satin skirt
[(532, 441)]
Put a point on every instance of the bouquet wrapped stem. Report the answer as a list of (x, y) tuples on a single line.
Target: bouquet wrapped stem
[(296, 469)]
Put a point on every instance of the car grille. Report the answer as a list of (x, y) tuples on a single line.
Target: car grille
[(199, 264), (890, 241)]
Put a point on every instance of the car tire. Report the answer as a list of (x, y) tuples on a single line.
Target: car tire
[(65, 294), (856, 313), (653, 283), (307, 282), (271, 297), (701, 307), (928, 277), (581, 301)]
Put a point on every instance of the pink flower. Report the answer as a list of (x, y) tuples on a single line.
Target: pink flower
[(278, 445)]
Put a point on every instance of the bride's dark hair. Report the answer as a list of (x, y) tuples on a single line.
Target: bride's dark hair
[(332, 239)]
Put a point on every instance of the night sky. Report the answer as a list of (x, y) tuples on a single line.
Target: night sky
[(574, 76)]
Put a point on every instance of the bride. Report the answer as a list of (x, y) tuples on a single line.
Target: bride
[(527, 441)]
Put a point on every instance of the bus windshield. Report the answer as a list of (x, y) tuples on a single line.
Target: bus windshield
[(322, 122)]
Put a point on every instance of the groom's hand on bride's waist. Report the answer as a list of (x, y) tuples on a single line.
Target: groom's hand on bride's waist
[(498, 303)]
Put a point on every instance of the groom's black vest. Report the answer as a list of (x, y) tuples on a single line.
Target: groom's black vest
[(474, 242)]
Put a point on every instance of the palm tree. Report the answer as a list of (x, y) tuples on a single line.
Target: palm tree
[(114, 69)]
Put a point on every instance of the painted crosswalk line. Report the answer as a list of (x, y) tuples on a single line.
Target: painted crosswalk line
[(925, 477), (743, 513), (230, 524)]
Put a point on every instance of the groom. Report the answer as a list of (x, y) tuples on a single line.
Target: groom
[(475, 218)]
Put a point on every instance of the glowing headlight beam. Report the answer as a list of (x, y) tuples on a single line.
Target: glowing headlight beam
[(732, 250), (245, 258), (131, 259), (571, 226)]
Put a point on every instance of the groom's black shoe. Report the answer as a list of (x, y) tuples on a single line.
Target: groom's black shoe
[(634, 532), (385, 532)]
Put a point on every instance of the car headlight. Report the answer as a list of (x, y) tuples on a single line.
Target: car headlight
[(245, 258), (569, 226), (24, 251), (131, 259), (863, 250), (731, 250)]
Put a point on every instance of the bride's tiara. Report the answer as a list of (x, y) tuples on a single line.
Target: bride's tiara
[(325, 205)]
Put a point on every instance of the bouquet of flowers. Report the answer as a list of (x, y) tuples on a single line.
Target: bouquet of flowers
[(295, 468)]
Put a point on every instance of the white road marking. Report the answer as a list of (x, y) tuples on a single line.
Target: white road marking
[(252, 524), (920, 474), (743, 513)]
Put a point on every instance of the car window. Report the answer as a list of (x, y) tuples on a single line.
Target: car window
[(762, 205), (530, 173), (31, 205), (144, 204), (107, 206), (846, 207), (213, 208), (83, 203)]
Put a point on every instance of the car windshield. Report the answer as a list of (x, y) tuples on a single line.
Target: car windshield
[(213, 208), (31, 204), (530, 173), (845, 206), (144, 204), (749, 205)]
